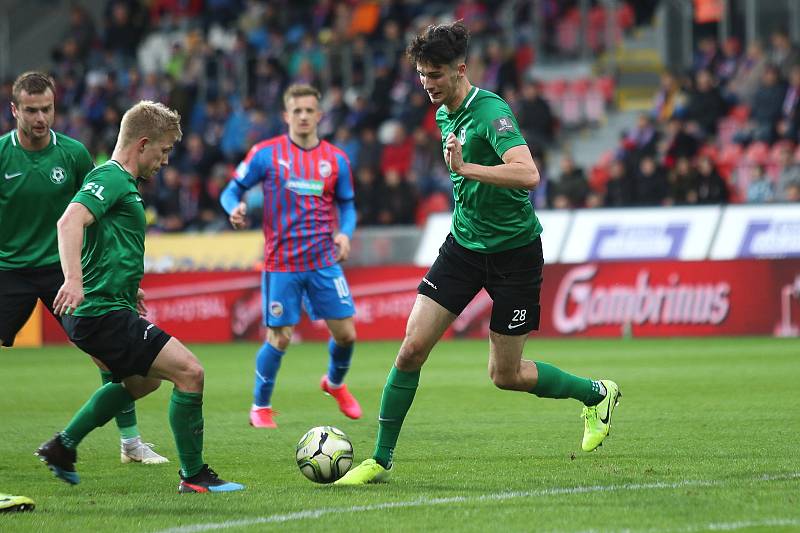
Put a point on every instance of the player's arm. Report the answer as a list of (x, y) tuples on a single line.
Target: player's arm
[(249, 172), (518, 171), (347, 209), (70, 229)]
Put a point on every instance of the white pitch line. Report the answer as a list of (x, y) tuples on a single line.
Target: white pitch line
[(499, 496)]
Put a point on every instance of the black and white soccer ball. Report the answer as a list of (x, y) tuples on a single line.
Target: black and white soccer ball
[(324, 454)]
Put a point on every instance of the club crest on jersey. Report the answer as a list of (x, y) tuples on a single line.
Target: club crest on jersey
[(462, 136), (58, 175), (276, 309), (325, 168)]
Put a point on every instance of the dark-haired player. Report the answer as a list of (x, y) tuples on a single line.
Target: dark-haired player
[(493, 244)]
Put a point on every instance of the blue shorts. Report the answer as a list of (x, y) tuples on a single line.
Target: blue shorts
[(323, 293)]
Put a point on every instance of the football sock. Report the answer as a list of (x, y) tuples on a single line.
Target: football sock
[(339, 362), (126, 418), (186, 421), (268, 362), (555, 383), (99, 409), (398, 393)]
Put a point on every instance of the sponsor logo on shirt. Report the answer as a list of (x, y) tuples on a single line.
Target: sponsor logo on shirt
[(305, 187), (95, 189), (503, 124), (58, 175)]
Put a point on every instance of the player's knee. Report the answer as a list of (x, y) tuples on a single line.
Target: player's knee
[(502, 380), (280, 338), (411, 356), (346, 338), (194, 376)]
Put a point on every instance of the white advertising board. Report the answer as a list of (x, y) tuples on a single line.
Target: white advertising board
[(758, 231), (555, 224), (683, 233)]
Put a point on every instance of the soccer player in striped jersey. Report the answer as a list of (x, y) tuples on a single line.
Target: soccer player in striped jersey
[(304, 181), (42, 170)]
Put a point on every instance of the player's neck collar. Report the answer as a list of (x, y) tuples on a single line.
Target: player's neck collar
[(319, 141), (16, 141)]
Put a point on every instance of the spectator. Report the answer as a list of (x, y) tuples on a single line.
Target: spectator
[(669, 100), (619, 188), (742, 87), (788, 173), (573, 187), (398, 202), (765, 108), (368, 196), (534, 116), (760, 189), (705, 105), (711, 188), (682, 183), (650, 184), (784, 55), (789, 124)]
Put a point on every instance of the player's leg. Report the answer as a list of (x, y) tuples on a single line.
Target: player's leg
[(17, 301), (132, 449), (340, 353), (178, 364), (328, 297), (452, 281), (514, 283), (426, 325), (126, 344), (281, 300)]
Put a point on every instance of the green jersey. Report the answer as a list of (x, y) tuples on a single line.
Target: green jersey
[(113, 247), (35, 188), (487, 218)]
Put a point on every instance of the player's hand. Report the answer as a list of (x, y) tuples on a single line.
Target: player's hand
[(238, 216), (342, 243), (69, 297), (141, 308), (452, 153)]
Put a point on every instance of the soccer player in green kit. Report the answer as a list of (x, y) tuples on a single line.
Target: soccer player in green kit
[(42, 170), (101, 247), (493, 243)]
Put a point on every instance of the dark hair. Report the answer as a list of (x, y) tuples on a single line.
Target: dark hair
[(440, 44), (31, 83)]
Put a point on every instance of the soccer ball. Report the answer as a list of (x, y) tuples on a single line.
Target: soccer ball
[(324, 454)]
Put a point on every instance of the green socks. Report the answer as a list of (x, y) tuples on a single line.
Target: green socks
[(398, 393), (126, 418), (106, 402), (186, 421), (555, 383)]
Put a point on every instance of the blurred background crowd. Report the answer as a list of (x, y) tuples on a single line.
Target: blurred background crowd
[(724, 130)]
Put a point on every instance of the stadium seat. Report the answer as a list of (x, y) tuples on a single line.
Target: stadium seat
[(435, 203)]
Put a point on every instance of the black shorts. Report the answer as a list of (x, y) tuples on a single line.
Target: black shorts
[(19, 290), (125, 342), (513, 279)]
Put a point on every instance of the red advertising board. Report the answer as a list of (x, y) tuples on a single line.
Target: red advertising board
[(652, 299)]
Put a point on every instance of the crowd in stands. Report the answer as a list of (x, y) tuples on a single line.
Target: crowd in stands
[(223, 64), (726, 131)]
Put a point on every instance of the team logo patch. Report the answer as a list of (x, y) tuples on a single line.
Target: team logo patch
[(503, 124), (58, 175), (325, 168), (462, 136), (276, 309)]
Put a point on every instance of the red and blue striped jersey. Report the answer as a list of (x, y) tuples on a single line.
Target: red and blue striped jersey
[(301, 191)]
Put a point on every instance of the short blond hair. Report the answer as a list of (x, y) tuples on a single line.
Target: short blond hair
[(300, 89), (149, 119)]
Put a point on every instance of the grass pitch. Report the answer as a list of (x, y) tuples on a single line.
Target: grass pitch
[(704, 439)]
